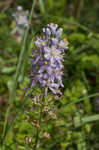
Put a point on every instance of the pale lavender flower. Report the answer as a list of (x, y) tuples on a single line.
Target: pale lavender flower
[(47, 66), (21, 17), (21, 21)]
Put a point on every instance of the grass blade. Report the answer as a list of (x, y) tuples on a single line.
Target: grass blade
[(80, 121), (19, 67), (83, 98), (42, 8)]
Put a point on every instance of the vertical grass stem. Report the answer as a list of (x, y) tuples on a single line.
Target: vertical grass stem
[(19, 67)]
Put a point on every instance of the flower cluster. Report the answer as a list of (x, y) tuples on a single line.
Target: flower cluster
[(47, 58), (21, 20)]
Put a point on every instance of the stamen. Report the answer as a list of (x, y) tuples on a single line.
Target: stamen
[(43, 43), (47, 85), (45, 62), (52, 53), (66, 42), (54, 70), (60, 73)]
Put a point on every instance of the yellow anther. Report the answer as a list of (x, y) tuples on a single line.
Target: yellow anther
[(54, 70), (45, 62), (66, 42), (43, 43), (37, 41), (52, 53), (61, 44), (60, 73), (47, 85), (36, 76)]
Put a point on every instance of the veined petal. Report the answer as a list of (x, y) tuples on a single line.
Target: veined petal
[(42, 69), (59, 32), (47, 49), (54, 85), (33, 83), (54, 41), (42, 82), (45, 76), (37, 59), (49, 70), (53, 90)]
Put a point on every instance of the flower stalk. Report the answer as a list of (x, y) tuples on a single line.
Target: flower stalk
[(40, 120), (47, 66)]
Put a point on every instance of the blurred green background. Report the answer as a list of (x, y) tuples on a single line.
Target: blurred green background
[(75, 125)]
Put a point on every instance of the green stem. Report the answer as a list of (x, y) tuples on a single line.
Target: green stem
[(40, 119), (19, 66), (79, 7)]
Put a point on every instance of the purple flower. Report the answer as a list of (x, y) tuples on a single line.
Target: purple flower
[(63, 44), (52, 27), (59, 32), (46, 62), (54, 42)]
